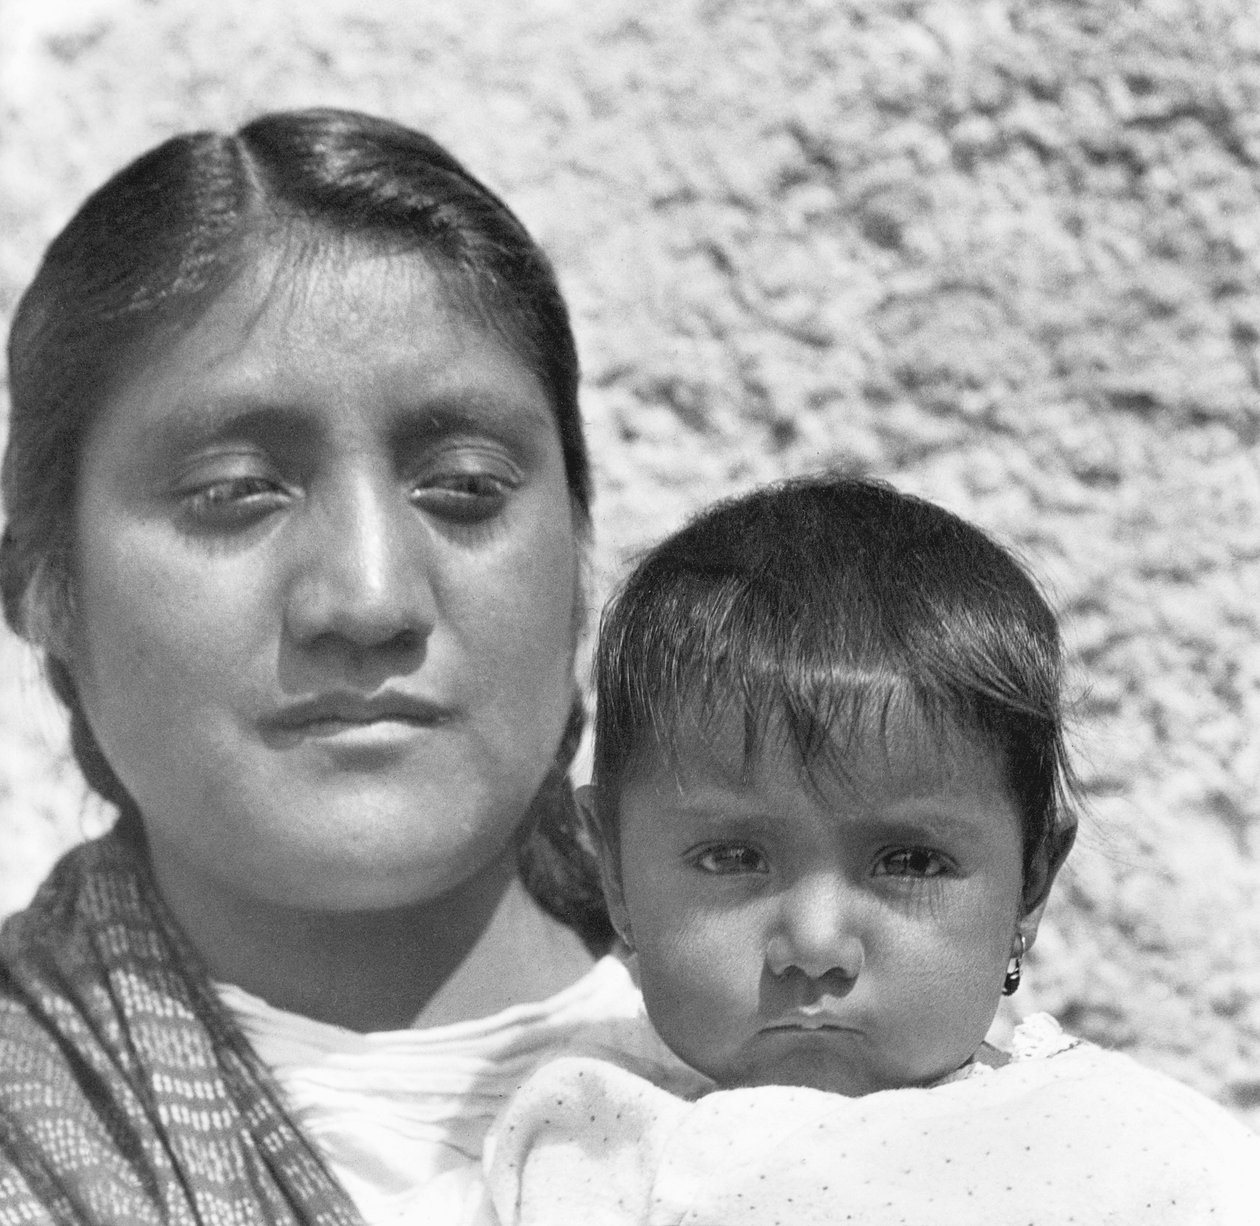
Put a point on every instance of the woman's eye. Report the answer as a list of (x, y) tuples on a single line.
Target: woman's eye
[(465, 495), (231, 503), (911, 862), (729, 858)]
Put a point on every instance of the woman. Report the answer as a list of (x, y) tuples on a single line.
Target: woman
[(296, 499)]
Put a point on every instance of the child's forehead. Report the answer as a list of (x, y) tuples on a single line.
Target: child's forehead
[(730, 749), (875, 789)]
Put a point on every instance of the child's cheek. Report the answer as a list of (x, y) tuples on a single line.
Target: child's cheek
[(706, 975)]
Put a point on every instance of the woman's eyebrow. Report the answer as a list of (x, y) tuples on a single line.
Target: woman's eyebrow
[(245, 413), (204, 420), (465, 414)]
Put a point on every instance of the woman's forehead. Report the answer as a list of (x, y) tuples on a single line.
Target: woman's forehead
[(304, 324), (294, 274), (325, 282)]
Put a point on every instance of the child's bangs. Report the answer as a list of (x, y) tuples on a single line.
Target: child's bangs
[(736, 655), (826, 721)]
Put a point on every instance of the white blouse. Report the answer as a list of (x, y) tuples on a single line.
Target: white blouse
[(401, 1115)]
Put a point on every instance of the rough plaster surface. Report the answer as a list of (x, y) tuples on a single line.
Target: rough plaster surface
[(1003, 252)]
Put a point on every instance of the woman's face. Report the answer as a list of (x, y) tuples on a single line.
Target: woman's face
[(325, 582)]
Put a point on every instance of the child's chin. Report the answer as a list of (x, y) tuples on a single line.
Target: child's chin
[(835, 1062), (810, 1066)]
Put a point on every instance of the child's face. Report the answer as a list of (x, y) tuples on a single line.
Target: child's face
[(846, 935)]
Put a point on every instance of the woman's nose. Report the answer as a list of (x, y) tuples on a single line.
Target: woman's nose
[(816, 933), (363, 572)]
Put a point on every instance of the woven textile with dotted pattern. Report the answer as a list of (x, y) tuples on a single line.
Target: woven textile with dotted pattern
[(127, 1093)]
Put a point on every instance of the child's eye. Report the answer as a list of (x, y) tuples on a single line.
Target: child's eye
[(911, 862), (729, 858)]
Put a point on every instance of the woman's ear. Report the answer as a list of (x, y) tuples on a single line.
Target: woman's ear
[(609, 863), (45, 612), (1041, 874)]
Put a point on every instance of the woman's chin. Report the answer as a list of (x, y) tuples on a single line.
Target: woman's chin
[(354, 857)]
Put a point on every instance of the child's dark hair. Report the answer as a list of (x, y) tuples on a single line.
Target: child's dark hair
[(827, 606)]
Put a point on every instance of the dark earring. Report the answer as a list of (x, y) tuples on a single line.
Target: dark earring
[(1015, 969)]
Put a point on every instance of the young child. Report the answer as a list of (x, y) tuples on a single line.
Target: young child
[(830, 798)]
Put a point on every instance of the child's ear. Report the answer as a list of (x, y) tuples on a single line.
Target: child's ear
[(1041, 875), (609, 870)]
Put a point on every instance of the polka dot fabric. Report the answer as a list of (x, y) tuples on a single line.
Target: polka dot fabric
[(1063, 1133)]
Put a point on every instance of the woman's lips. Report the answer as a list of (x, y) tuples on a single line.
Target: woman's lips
[(374, 719)]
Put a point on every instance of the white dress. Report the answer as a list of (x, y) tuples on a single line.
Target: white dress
[(1065, 1132), (401, 1116)]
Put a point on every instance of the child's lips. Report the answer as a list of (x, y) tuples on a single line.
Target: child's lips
[(810, 1019)]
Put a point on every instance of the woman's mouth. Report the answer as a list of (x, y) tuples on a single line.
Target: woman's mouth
[(378, 719)]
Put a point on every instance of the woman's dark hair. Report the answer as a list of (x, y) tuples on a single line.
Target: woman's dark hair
[(150, 251), (826, 609)]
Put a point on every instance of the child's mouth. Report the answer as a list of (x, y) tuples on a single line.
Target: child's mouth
[(810, 1019)]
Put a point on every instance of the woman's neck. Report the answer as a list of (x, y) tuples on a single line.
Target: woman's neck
[(470, 954)]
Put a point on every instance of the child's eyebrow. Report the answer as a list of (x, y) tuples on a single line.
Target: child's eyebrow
[(920, 818), (718, 808), (936, 822)]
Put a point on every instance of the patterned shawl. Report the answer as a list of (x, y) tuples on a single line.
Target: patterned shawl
[(127, 1092)]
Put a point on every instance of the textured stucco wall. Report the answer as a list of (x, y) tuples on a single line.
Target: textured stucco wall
[(1004, 252)]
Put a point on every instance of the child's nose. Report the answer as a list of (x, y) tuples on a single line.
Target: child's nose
[(816, 934)]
